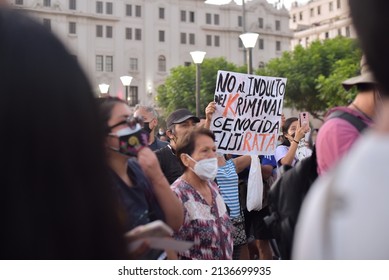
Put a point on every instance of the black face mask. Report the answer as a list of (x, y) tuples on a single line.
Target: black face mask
[(146, 127)]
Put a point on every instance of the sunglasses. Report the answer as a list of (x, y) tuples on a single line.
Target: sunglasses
[(130, 121)]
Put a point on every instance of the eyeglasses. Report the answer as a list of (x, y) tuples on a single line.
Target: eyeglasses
[(130, 121)]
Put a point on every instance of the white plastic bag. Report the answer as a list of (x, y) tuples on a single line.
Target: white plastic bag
[(254, 185)]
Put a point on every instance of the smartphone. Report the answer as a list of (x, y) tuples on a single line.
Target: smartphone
[(154, 229), (304, 118)]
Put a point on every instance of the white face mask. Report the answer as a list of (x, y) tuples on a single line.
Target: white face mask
[(205, 169)]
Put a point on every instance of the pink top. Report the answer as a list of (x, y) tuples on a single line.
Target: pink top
[(335, 137), (208, 226)]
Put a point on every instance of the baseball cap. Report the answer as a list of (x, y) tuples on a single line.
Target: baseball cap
[(366, 76), (179, 116)]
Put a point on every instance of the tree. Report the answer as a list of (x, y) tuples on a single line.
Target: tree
[(179, 88), (315, 74)]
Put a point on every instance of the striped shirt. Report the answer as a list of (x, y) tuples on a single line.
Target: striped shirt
[(227, 179)]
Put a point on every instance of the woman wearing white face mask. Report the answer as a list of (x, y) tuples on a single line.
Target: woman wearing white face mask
[(206, 221)]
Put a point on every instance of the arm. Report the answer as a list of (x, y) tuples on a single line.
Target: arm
[(211, 108), (168, 201), (241, 163), (299, 134), (267, 171)]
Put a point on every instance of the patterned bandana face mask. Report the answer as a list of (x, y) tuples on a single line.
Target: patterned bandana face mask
[(131, 140)]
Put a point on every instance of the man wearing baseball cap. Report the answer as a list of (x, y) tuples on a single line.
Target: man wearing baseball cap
[(178, 123), (337, 135)]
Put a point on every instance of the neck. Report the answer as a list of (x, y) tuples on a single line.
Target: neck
[(118, 163), (365, 104), (151, 137), (194, 180)]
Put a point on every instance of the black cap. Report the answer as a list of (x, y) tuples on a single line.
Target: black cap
[(179, 116)]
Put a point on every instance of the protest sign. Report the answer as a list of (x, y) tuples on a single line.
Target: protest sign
[(248, 113)]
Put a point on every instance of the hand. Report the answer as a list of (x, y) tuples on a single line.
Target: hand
[(148, 161), (300, 131), (211, 108)]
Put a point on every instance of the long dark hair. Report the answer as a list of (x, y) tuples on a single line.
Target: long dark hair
[(285, 128), (56, 201)]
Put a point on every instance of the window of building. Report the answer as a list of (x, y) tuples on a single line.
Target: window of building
[(216, 19), (301, 15), (108, 31), (318, 10), (183, 16), (99, 31), (72, 28), (99, 63), (19, 2), (208, 18), (338, 4), (261, 44), (240, 43), (128, 33), (327, 35), (109, 8), (109, 63), (278, 25), (133, 64), (133, 97), (128, 10), (161, 35), (183, 38), (161, 63), (99, 7), (278, 45), (138, 34), (47, 23), (192, 17), (192, 39), (72, 5), (312, 12), (240, 21), (348, 31), (47, 3), (260, 22), (209, 40), (161, 13), (187, 63), (138, 11), (330, 6), (217, 41), (294, 17), (339, 32)]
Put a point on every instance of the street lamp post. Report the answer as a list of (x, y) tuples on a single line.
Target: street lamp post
[(198, 57), (249, 40), (126, 81), (103, 89)]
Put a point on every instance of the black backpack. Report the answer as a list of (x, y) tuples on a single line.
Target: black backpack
[(288, 192)]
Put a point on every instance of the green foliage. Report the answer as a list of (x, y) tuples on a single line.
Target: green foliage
[(179, 90), (315, 74)]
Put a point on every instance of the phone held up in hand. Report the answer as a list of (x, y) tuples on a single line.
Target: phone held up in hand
[(304, 118)]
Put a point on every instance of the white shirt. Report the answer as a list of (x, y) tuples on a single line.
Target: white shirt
[(346, 213)]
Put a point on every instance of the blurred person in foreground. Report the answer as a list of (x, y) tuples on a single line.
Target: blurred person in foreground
[(56, 201), (336, 135), (345, 214)]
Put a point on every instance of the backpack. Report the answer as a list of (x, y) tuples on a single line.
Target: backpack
[(288, 192)]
